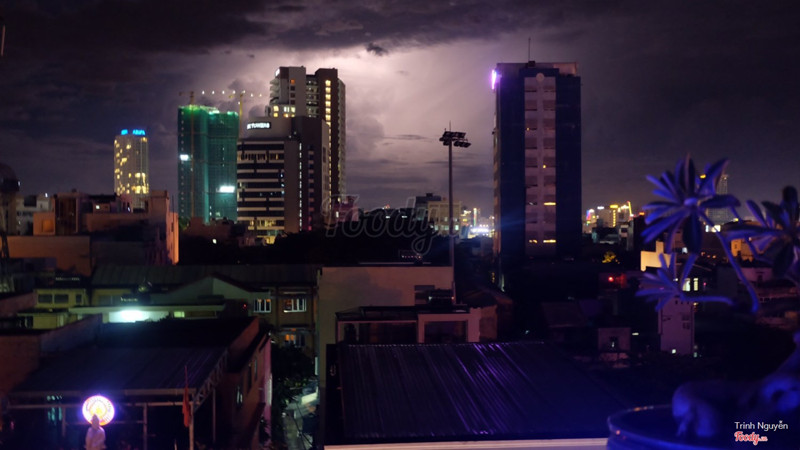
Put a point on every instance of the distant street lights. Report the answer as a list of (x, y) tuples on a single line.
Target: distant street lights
[(459, 139)]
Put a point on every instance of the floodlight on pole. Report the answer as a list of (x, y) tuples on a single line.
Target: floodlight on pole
[(459, 139)]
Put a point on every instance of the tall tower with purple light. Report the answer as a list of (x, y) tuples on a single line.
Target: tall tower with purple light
[(537, 161)]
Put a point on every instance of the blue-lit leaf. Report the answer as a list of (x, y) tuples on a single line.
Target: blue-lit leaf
[(775, 212), (790, 204), (711, 298), (756, 211), (783, 261), (693, 235), (713, 173), (686, 196), (687, 266), (722, 201), (661, 287)]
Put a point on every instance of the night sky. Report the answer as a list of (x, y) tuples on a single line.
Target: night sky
[(660, 79)]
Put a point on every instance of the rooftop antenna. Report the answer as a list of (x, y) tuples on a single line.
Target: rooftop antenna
[(2, 35), (529, 48)]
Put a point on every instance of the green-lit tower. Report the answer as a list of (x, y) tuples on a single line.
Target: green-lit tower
[(207, 162)]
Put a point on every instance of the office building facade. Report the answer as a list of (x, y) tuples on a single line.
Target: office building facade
[(207, 163), (132, 166), (294, 93), (283, 181), (537, 161)]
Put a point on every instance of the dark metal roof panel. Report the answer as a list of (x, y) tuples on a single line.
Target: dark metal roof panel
[(114, 370), (467, 392), (113, 275)]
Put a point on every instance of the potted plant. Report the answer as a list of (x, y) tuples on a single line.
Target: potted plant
[(718, 413)]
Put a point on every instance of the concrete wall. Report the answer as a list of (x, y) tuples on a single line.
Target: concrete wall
[(471, 322), (488, 324), (190, 294), (652, 259), (72, 253), (676, 327), (251, 378), (11, 305), (19, 356)]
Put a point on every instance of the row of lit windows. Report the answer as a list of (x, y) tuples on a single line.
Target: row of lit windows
[(58, 299), (290, 305), (273, 156)]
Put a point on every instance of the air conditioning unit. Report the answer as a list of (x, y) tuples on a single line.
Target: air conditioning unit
[(441, 297)]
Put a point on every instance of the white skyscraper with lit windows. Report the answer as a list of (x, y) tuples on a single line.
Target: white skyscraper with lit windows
[(132, 166)]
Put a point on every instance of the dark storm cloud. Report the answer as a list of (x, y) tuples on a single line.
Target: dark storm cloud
[(380, 179), (121, 36), (126, 33), (376, 50), (409, 137), (659, 79), (289, 8)]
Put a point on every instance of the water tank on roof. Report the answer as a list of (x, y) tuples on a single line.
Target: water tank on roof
[(8, 180)]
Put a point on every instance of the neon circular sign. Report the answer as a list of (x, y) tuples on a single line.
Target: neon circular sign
[(99, 406)]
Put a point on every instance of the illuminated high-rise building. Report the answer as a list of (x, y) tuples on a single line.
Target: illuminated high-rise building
[(537, 161), (283, 181), (608, 216), (721, 216), (132, 166), (207, 162), (295, 93)]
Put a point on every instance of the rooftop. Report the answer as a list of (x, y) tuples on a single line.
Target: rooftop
[(455, 392), (166, 277), (139, 359)]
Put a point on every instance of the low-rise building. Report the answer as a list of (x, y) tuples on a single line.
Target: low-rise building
[(83, 230), (170, 382)]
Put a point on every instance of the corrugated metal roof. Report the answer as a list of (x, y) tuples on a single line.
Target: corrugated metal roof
[(394, 393), (138, 359), (173, 333), (165, 276), (114, 371)]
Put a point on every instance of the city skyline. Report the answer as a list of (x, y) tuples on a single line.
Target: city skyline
[(659, 80)]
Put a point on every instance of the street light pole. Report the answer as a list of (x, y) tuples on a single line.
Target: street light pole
[(450, 189), (459, 139)]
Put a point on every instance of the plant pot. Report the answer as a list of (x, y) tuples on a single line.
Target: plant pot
[(652, 427)]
